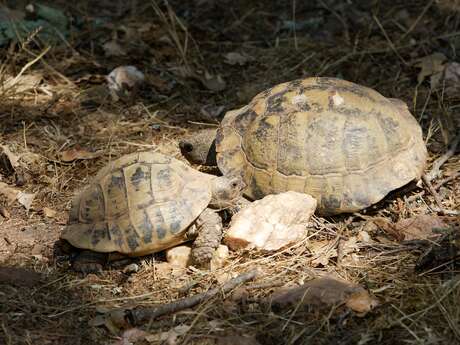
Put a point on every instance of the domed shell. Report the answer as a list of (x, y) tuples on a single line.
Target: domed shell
[(140, 203), (345, 144)]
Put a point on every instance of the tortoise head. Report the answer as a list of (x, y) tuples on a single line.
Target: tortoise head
[(226, 191), (200, 148)]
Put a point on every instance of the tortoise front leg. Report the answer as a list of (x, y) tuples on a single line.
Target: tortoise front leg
[(88, 261), (208, 239)]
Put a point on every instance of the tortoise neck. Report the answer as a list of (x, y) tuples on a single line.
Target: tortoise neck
[(211, 158)]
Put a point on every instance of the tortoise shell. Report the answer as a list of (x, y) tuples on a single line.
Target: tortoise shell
[(345, 144), (138, 204)]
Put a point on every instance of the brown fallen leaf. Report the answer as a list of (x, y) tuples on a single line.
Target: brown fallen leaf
[(49, 212), (326, 292), (347, 247), (419, 227), (13, 158), (78, 153), (13, 194), (322, 252), (130, 336), (415, 228), (26, 199), (431, 66), (213, 82), (387, 226), (113, 320), (169, 337), (113, 48), (23, 83)]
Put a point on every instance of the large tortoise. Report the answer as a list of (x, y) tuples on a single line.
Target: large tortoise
[(144, 203), (345, 144)]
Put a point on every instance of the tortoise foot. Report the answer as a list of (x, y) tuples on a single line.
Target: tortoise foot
[(89, 262)]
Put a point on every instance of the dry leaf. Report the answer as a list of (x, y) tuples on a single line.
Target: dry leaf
[(416, 228), (452, 73), (130, 336), (419, 227), (14, 194), (113, 48), (388, 227), (24, 82), (10, 193), (326, 292), (26, 199), (113, 320), (361, 302), (452, 78), (322, 252), (234, 58), (431, 66), (78, 153), (170, 337), (48, 212), (213, 82), (212, 112), (13, 159)]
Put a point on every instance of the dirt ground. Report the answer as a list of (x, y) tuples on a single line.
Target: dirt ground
[(200, 59)]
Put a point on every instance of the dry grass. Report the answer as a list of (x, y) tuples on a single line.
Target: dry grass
[(371, 45)]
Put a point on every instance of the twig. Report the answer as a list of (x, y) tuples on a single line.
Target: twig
[(414, 24), (432, 190), (390, 42), (447, 179), (435, 168), (29, 64), (445, 212), (437, 199), (138, 316)]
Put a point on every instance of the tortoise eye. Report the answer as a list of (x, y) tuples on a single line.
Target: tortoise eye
[(185, 146)]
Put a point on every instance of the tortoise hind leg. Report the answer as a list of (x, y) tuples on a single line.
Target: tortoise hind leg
[(208, 239), (89, 262)]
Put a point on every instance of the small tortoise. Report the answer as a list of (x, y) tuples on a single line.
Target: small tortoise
[(345, 144), (146, 202)]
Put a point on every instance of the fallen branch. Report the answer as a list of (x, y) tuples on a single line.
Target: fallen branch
[(435, 168), (137, 316)]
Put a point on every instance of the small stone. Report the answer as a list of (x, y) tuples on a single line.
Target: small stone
[(179, 256), (364, 237), (219, 258), (132, 268), (271, 223)]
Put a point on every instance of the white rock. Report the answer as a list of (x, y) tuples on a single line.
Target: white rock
[(179, 256), (219, 258), (271, 223)]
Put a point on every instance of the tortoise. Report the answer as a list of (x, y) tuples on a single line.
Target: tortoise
[(345, 144), (146, 202)]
